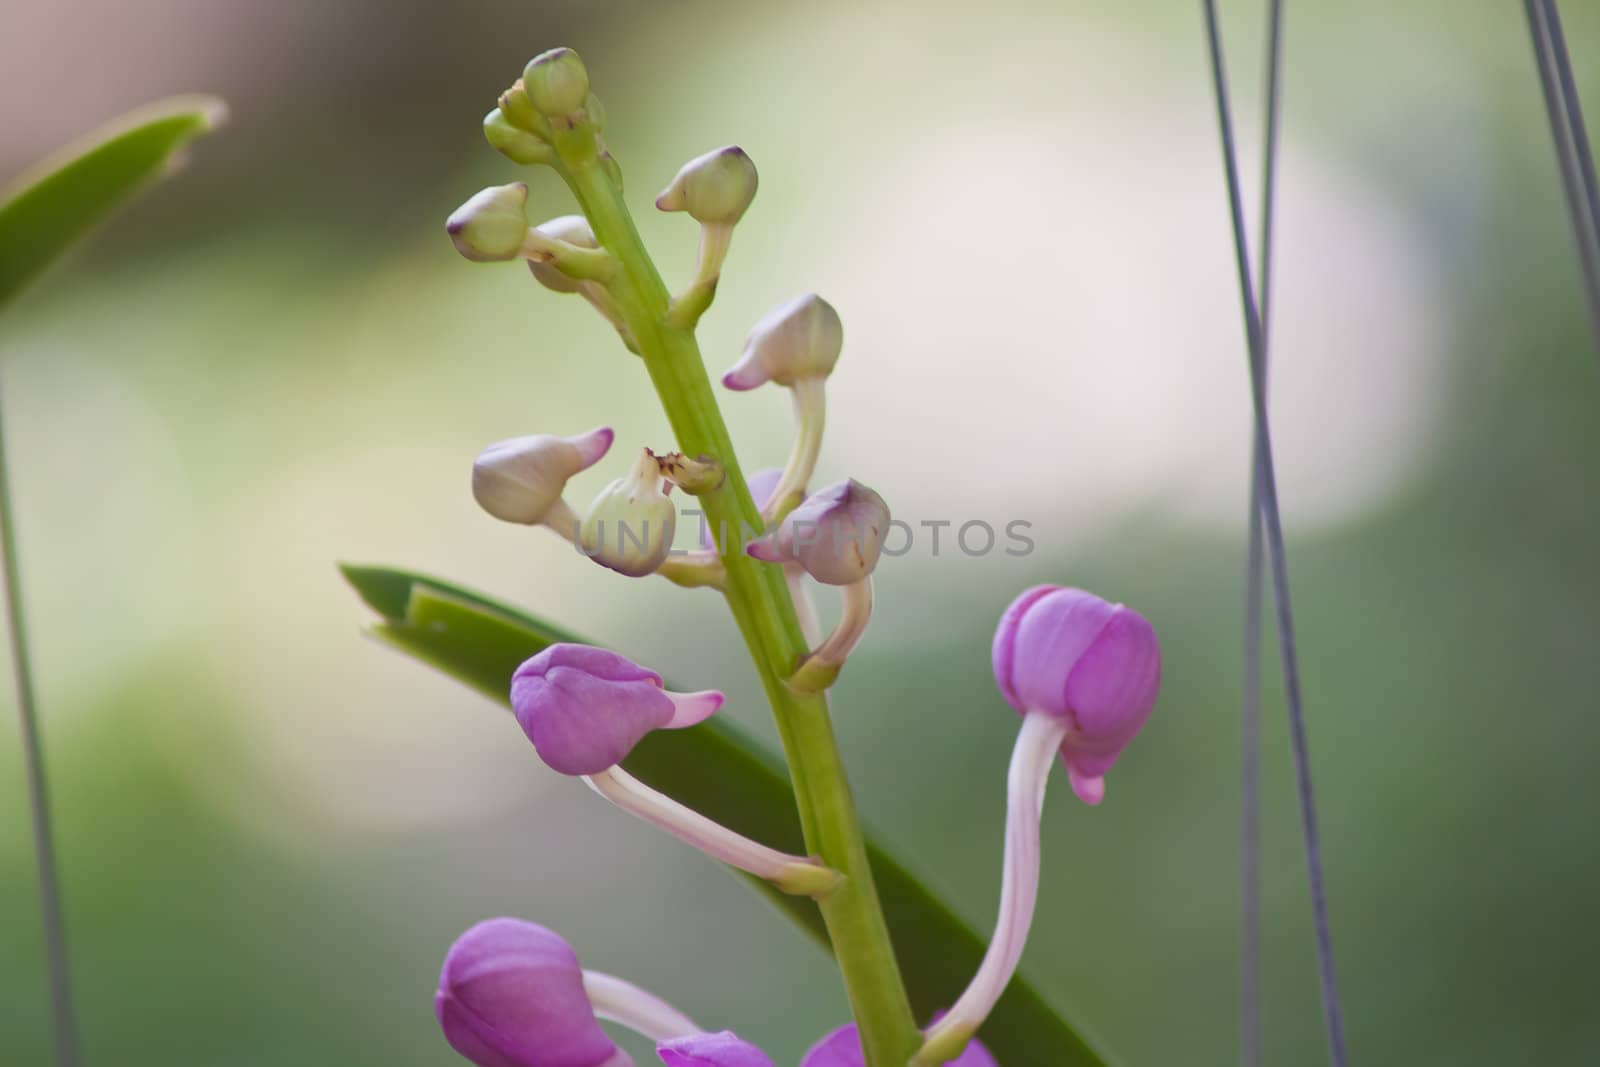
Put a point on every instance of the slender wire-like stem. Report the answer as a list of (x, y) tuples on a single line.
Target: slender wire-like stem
[(1271, 518), (55, 939), (1574, 158), (1250, 704), (1582, 151)]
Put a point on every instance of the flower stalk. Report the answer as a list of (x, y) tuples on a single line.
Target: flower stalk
[(810, 407), (758, 596), (792, 874), (821, 668), (620, 1001), (1031, 760)]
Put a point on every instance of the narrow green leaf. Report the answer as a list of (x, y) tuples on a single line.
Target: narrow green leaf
[(716, 769), (53, 206)]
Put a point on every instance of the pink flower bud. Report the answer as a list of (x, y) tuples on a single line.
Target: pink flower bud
[(584, 708), (722, 1049), (836, 535), (794, 341), (842, 1048), (1068, 654), (521, 480), (511, 995)]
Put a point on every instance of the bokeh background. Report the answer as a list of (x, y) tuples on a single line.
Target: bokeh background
[(271, 828)]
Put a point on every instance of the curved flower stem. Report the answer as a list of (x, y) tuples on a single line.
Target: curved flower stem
[(693, 570), (805, 606), (810, 412), (579, 264), (638, 1009), (687, 307), (759, 600), (1031, 760), (792, 874), (821, 668)]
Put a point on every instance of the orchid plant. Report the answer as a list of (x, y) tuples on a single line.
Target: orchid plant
[(1082, 673)]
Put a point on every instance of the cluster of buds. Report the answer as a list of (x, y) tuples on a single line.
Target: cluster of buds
[(1083, 673)]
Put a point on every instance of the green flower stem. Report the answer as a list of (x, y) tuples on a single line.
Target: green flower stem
[(759, 598)]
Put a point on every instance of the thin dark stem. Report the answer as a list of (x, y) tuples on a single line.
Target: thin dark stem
[(1250, 705), (1271, 517), (55, 943), (1574, 110), (1573, 155)]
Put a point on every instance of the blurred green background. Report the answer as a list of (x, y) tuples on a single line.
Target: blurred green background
[(271, 828)]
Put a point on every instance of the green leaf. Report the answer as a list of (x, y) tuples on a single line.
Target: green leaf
[(716, 769), (54, 206)]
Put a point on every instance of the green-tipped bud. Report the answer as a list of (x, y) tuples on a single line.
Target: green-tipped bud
[(517, 145), (519, 110), (629, 526), (715, 188), (574, 230), (557, 82), (492, 225)]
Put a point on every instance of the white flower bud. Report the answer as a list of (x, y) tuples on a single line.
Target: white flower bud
[(521, 480), (629, 526), (557, 82), (795, 341), (492, 225), (715, 188)]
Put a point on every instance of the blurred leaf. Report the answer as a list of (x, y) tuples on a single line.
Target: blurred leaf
[(54, 206), (714, 768)]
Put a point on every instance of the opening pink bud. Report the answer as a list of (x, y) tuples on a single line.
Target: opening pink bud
[(723, 1049), (521, 480), (1097, 666), (511, 995), (842, 1048), (836, 535), (585, 708), (797, 340)]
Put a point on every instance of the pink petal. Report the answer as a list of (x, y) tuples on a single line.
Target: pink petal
[(723, 1049), (592, 446), (690, 709)]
